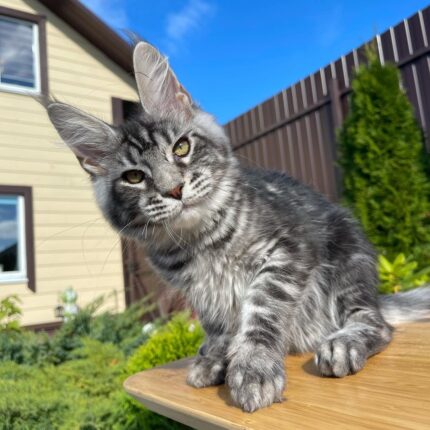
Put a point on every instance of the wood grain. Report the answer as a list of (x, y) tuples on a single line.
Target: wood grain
[(392, 392)]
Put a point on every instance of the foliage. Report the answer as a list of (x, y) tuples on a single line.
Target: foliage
[(16, 344), (75, 379), (131, 415), (76, 394), (30, 398), (179, 338), (384, 166), (400, 274), (122, 329), (10, 313), (24, 347), (95, 361)]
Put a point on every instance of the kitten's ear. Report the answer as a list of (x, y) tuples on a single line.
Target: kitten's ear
[(87, 136), (159, 89)]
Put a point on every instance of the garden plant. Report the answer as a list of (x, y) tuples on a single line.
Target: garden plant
[(384, 164), (73, 380)]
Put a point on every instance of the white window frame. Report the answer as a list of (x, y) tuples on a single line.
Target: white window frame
[(36, 63), (18, 276)]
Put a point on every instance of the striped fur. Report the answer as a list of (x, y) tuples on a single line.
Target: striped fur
[(270, 266)]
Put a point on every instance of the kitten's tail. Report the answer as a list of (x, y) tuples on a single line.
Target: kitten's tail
[(410, 306)]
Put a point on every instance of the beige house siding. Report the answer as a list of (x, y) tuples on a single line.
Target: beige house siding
[(74, 246)]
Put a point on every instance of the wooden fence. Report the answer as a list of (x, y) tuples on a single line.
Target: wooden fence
[(295, 130)]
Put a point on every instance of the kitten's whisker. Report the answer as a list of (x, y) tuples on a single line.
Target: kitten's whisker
[(113, 247), (171, 235), (92, 221)]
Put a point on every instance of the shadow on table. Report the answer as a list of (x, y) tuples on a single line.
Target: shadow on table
[(311, 369)]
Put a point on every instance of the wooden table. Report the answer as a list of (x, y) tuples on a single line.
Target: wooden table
[(392, 392)]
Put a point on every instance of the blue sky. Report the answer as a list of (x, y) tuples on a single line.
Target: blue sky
[(231, 55)]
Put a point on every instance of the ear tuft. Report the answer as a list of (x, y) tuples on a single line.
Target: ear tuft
[(159, 89), (88, 137)]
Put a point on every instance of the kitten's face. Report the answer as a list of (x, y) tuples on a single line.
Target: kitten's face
[(166, 167), (163, 173)]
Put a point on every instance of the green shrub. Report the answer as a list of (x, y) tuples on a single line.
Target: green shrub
[(85, 390), (16, 344), (77, 394), (131, 415), (383, 161), (10, 312), (122, 329), (179, 338), (95, 375), (401, 274), (30, 398), (25, 347), (96, 368)]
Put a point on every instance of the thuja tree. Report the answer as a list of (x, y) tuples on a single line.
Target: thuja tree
[(385, 178)]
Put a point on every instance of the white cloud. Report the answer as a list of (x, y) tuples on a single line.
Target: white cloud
[(12, 53), (8, 230), (189, 18), (111, 11)]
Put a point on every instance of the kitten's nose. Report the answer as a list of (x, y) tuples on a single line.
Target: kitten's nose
[(176, 192)]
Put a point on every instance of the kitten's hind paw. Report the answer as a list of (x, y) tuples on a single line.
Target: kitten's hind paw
[(206, 371), (340, 356)]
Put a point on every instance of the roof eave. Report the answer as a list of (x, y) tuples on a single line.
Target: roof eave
[(92, 28)]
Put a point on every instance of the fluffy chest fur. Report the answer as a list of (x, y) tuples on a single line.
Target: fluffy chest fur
[(214, 281), (217, 289)]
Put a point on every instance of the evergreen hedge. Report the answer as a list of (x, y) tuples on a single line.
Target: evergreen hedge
[(73, 380), (385, 179)]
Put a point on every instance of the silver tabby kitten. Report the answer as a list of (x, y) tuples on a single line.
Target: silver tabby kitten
[(270, 266)]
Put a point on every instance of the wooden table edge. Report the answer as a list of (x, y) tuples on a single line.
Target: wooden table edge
[(184, 414)]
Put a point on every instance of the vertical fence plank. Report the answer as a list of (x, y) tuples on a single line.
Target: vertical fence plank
[(401, 39), (387, 46), (424, 25), (335, 103), (416, 33)]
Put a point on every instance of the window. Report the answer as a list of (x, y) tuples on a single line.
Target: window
[(16, 235), (22, 52), (19, 56), (12, 234)]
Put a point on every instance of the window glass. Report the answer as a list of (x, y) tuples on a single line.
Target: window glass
[(18, 54), (10, 240)]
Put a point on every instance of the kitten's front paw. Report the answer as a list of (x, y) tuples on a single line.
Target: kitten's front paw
[(340, 356), (206, 371), (254, 384)]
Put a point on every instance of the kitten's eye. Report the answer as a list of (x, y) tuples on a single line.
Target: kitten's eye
[(182, 147), (133, 176)]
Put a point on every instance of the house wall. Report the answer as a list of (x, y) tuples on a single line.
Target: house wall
[(74, 246)]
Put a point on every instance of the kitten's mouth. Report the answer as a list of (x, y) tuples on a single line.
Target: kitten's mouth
[(193, 202), (182, 213), (187, 205)]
